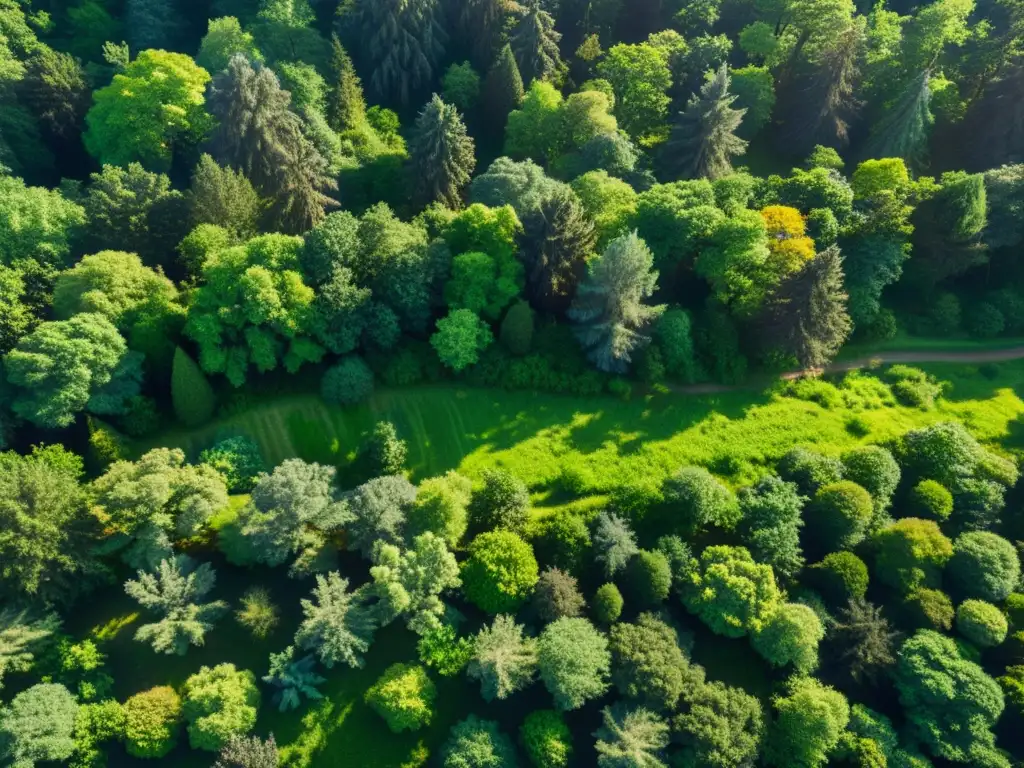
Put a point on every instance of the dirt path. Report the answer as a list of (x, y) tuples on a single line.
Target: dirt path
[(881, 358)]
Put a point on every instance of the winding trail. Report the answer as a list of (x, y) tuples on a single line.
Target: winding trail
[(880, 358)]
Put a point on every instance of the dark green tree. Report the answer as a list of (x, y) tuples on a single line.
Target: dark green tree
[(224, 197), (535, 45), (863, 641), (770, 524), (346, 107), (191, 394), (903, 129), (503, 89), (703, 139), (56, 90), (948, 230), (152, 24), (442, 154)]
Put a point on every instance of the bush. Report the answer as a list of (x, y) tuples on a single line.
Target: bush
[(840, 577), (500, 573), (517, 329), (930, 500), (348, 382), (607, 604), (928, 609), (556, 595), (839, 516), (191, 394), (649, 578), (219, 702), (460, 338), (700, 500), (546, 739), (476, 743), (912, 386), (984, 321), (981, 623), (809, 470), (984, 566), (443, 650), (503, 502), (238, 461), (152, 720), (385, 450), (404, 696), (674, 334), (257, 613)]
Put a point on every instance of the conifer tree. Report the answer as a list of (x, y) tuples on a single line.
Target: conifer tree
[(151, 24), (503, 89), (609, 312), (480, 26), (535, 45), (704, 140), (903, 128), (442, 154), (346, 107), (808, 316), (191, 394)]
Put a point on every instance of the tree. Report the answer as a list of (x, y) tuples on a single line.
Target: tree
[(174, 592), (503, 88), (755, 92), (534, 43), (402, 44), (219, 703), (982, 623), (929, 500), (630, 737), (55, 89), (38, 725), (153, 105), (348, 382), (546, 739), (700, 500), (703, 138), (875, 469), (223, 39), (950, 703), (840, 514), (442, 153), (377, 510), (609, 201), (486, 273), (385, 451), (404, 696), (640, 77), (910, 553), (537, 130), (504, 661), (412, 581), (648, 666), (809, 722), (248, 752), (574, 662), (723, 726), (864, 640), (237, 460), (441, 507), (609, 311), (461, 86), (769, 523), (66, 366), (984, 565), (649, 576), (607, 604), (224, 197), (346, 107), (614, 542), (903, 129), (460, 338), (500, 573), (191, 394), (22, 635), (791, 636), (731, 593), (807, 317), (151, 23), (36, 223), (948, 228), (840, 577), (152, 721), (474, 742), (337, 627), (809, 470), (47, 535), (502, 502), (557, 595)]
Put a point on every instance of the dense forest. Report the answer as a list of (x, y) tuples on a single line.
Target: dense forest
[(375, 383)]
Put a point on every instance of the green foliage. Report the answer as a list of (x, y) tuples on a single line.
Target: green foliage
[(648, 666), (503, 502), (630, 737), (730, 592), (444, 651), (534, 43), (930, 501), (557, 595), (607, 604), (503, 88), (38, 725), (504, 660), (910, 553), (839, 515), (723, 726), (574, 662), (755, 94), (293, 679), (441, 153), (348, 382), (700, 501), (649, 577), (411, 582), (248, 752), (441, 507), (218, 703), (517, 328), (191, 394), (982, 623), (874, 469), (336, 627), (385, 450), (237, 459), (36, 223), (404, 696), (223, 39), (640, 77), (376, 512), (614, 542), (474, 742), (703, 139), (152, 722), (461, 86), (96, 723), (984, 565), (460, 338), (927, 609), (257, 613), (546, 739), (791, 636), (840, 577), (769, 523), (810, 719), (22, 636), (223, 197), (500, 573)]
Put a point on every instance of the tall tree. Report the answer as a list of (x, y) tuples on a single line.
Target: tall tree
[(503, 89), (609, 311), (403, 42), (481, 26), (807, 317), (223, 39), (703, 140), (411, 582), (224, 197), (56, 90), (903, 129), (337, 626), (346, 107), (152, 24), (535, 45), (22, 635), (948, 229), (441, 153)]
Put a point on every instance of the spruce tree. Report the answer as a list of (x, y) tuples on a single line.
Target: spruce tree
[(704, 139), (403, 42), (191, 394), (535, 45), (903, 128), (442, 154), (503, 89), (481, 25), (808, 317), (299, 197), (609, 311), (346, 107)]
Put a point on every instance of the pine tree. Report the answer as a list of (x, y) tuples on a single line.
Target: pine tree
[(904, 127), (481, 25), (403, 42), (191, 394), (535, 45), (300, 199), (337, 626), (503, 89), (442, 154), (346, 107), (808, 316), (703, 139), (609, 313)]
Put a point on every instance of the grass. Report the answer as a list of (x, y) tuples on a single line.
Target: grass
[(905, 342)]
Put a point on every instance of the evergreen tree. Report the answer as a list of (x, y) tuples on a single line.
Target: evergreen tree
[(403, 42), (807, 317), (21, 636), (191, 394), (503, 89), (224, 197), (704, 139), (609, 312), (346, 107), (300, 197), (535, 45), (442, 154), (337, 627), (905, 125), (948, 230), (481, 24), (152, 24)]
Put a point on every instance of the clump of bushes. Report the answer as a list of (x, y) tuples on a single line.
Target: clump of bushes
[(404, 696), (913, 387)]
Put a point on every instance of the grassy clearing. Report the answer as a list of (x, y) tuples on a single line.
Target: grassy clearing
[(905, 342)]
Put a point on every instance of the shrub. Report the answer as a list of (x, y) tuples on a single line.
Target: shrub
[(502, 502), (840, 577), (981, 623), (910, 553), (546, 739), (151, 722), (607, 604), (404, 696), (701, 500), (219, 702), (930, 500), (517, 329), (809, 470), (238, 461), (500, 573), (556, 595), (928, 609), (984, 565), (476, 743), (649, 577), (984, 320), (912, 386), (874, 469), (191, 394), (348, 382), (839, 516), (106, 444), (257, 613), (385, 450)]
